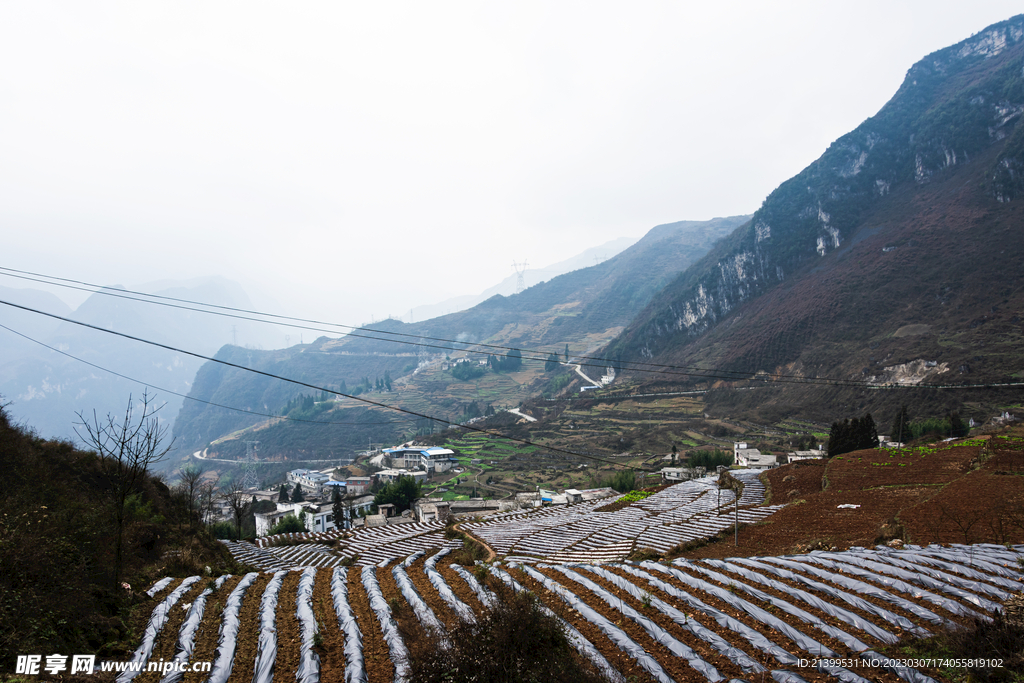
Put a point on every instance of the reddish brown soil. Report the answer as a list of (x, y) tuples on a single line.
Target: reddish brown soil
[(209, 629), (625, 664), (376, 655), (461, 588), (249, 633), (419, 579), (965, 492), (332, 648), (166, 641), (289, 636)]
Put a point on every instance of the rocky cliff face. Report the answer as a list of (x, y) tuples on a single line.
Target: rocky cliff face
[(955, 105)]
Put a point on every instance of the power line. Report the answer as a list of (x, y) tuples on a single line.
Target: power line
[(450, 344), (168, 347), (193, 398)]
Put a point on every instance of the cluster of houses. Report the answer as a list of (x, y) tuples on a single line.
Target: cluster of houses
[(318, 487)]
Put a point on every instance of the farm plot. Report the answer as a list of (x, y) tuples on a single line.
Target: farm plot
[(680, 513), (359, 547), (772, 618)]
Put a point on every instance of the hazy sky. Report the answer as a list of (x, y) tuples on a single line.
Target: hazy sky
[(358, 159)]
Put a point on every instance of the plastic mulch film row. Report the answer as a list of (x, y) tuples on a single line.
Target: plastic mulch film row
[(309, 661), (187, 632), (735, 655), (228, 636), (915, 574), (851, 641), (464, 611), (803, 641), (355, 667), (755, 638), (655, 631), (863, 588), (855, 644), (396, 646), (266, 651), (614, 633), (159, 586), (577, 639), (971, 586), (423, 612), (956, 567), (156, 622), (983, 558), (890, 576), (486, 597), (855, 601)]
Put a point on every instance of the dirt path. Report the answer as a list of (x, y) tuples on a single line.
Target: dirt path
[(491, 554)]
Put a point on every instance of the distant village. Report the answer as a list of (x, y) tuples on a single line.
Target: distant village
[(320, 488)]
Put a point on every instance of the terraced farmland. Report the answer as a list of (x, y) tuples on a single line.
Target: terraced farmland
[(747, 618)]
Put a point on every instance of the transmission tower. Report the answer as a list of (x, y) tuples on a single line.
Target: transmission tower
[(520, 269), (250, 481)]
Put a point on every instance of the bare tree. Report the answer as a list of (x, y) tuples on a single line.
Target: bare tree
[(207, 499), (239, 500), (189, 486), (127, 449)]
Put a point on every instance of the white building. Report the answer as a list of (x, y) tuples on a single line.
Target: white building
[(309, 480), (388, 476), (318, 517), (806, 455), (431, 459)]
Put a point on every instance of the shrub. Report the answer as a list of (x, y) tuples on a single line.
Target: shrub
[(289, 525), (515, 640)]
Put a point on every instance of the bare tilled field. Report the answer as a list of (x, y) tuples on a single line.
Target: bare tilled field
[(820, 616)]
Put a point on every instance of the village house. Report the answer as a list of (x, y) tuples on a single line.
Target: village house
[(429, 458), (319, 517), (311, 481)]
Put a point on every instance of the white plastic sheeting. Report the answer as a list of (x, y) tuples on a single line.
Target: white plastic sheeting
[(159, 586), (266, 648), (862, 588), (224, 659), (187, 632), (484, 595), (464, 611), (614, 633), (655, 631), (582, 645), (396, 646), (850, 641), (422, 610), (886, 564), (309, 662), (860, 603), (156, 622), (889, 576), (737, 656), (355, 667), (752, 636)]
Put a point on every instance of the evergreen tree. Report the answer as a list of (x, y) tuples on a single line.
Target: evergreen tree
[(297, 496), (387, 380), (338, 508), (566, 353), (957, 427), (400, 493), (551, 363), (282, 495), (852, 435)]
